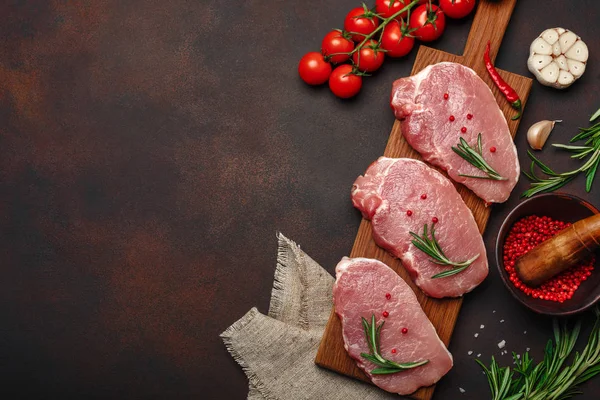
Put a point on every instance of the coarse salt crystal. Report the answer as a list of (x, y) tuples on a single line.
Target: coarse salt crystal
[(470, 352), (501, 321), (502, 344), (461, 390), (524, 332), (477, 334), (527, 349), (494, 311), (481, 326), (518, 356), (479, 355)]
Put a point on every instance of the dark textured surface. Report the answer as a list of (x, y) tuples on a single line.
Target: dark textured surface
[(152, 149)]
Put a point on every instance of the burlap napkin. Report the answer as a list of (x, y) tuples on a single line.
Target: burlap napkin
[(277, 351)]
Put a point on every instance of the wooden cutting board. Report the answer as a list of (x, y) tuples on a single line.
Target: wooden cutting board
[(490, 23)]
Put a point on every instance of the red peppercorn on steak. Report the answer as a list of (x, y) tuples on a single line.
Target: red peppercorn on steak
[(446, 102), (404, 197), (369, 289)]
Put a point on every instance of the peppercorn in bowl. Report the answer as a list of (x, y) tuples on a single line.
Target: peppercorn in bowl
[(530, 223)]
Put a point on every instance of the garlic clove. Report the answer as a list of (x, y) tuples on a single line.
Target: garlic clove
[(562, 62), (566, 41), (550, 36), (550, 73), (578, 52), (540, 46), (560, 30), (540, 61), (565, 78), (556, 49), (576, 68), (538, 133)]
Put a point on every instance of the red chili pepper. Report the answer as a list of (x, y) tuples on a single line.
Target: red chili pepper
[(504, 87)]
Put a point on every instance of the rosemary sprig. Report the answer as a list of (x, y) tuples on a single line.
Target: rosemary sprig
[(475, 158), (593, 117), (549, 379), (589, 151), (385, 366), (553, 182), (431, 247)]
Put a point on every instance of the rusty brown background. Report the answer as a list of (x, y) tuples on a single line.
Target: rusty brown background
[(152, 149)]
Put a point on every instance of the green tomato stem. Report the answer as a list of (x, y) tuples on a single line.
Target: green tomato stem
[(370, 35), (382, 25)]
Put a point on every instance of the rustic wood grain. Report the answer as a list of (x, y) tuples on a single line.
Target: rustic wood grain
[(490, 23)]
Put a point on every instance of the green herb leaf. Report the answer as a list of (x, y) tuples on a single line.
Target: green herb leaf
[(451, 272), (596, 115), (398, 367), (590, 152), (384, 371), (550, 379), (373, 359), (590, 174), (372, 332), (431, 247), (475, 158)]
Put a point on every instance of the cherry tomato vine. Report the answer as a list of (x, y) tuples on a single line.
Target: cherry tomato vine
[(371, 35)]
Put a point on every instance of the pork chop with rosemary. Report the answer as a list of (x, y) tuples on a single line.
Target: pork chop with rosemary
[(385, 329), (418, 216), (446, 108)]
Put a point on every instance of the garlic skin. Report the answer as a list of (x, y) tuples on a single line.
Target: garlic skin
[(557, 58), (538, 133)]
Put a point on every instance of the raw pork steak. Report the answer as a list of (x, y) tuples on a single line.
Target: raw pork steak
[(418, 101), (360, 290), (401, 195)]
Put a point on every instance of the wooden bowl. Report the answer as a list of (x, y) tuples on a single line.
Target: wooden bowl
[(562, 207)]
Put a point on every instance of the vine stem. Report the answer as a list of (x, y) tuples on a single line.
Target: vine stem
[(379, 28), (383, 24)]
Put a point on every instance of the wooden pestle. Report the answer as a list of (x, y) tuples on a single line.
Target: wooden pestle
[(560, 252)]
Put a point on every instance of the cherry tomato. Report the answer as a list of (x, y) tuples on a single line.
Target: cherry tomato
[(457, 8), (369, 58), (337, 42), (313, 69), (343, 83), (362, 21), (383, 8), (429, 22), (395, 41)]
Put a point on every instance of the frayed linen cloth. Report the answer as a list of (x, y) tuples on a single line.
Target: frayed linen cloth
[(277, 351)]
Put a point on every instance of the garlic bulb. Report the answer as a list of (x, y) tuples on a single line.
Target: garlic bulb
[(557, 58), (538, 133)]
